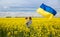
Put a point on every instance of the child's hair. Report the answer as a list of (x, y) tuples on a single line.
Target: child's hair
[(26, 18), (30, 18)]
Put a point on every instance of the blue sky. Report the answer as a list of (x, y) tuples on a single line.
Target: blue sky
[(28, 3)]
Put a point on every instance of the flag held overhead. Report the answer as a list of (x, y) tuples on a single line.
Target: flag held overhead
[(46, 11)]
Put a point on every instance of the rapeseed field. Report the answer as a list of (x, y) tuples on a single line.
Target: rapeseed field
[(40, 27)]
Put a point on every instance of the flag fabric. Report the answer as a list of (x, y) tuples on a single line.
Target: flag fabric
[(46, 11)]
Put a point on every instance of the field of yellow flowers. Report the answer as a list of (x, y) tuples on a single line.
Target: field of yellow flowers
[(40, 27)]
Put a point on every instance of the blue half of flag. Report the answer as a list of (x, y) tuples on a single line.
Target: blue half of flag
[(48, 9)]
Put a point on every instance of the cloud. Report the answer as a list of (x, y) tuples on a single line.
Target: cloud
[(13, 14), (28, 3)]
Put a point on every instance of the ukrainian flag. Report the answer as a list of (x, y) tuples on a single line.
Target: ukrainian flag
[(46, 11)]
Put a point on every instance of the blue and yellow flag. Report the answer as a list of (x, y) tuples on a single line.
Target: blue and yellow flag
[(46, 11)]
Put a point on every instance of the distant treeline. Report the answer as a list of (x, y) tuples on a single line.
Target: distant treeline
[(20, 17)]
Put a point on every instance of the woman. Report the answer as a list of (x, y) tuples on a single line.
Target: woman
[(28, 21)]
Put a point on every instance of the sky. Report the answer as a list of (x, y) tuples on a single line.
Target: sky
[(30, 3)]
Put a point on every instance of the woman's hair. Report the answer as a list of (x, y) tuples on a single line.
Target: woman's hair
[(30, 18)]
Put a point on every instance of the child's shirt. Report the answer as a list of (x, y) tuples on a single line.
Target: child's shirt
[(28, 23)]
